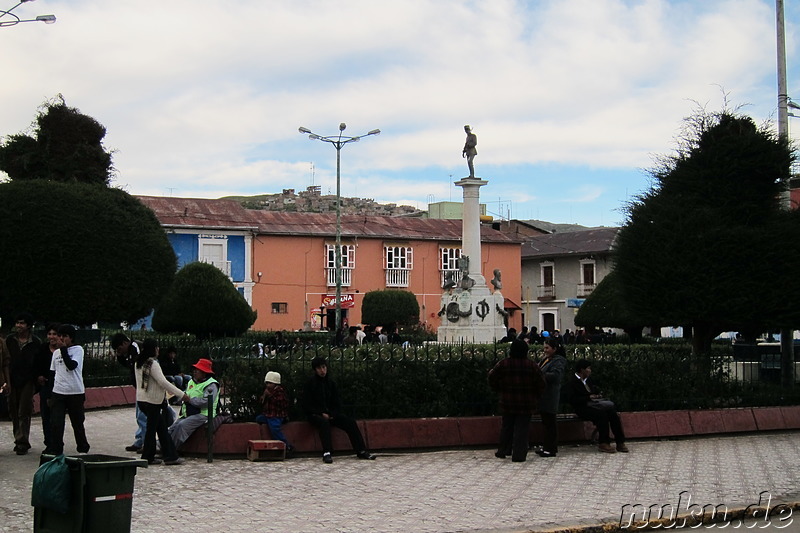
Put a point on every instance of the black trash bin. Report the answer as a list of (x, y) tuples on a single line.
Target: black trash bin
[(101, 499)]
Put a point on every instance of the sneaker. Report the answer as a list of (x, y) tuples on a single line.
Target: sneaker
[(542, 453), (154, 462), (84, 450), (133, 448), (622, 448), (327, 459), (365, 455), (21, 451), (500, 455), (176, 461)]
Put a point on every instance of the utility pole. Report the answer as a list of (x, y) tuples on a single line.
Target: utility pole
[(787, 334)]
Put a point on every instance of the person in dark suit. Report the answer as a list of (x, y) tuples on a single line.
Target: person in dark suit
[(519, 383), (553, 364), (590, 405)]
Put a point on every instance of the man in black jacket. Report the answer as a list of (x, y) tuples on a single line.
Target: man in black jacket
[(323, 408), (590, 405), (22, 346)]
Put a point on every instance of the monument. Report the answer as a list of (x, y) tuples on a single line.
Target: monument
[(470, 312)]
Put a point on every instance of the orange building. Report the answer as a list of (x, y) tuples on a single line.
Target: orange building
[(291, 276), (294, 262)]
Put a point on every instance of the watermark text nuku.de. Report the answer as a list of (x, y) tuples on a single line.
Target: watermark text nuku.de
[(684, 513)]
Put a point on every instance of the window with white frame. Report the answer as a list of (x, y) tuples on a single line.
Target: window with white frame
[(397, 261), (348, 263), (448, 263), (213, 249), (587, 284), (547, 286)]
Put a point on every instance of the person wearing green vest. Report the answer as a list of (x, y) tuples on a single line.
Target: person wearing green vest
[(194, 413)]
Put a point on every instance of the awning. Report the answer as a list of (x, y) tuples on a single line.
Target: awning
[(508, 304)]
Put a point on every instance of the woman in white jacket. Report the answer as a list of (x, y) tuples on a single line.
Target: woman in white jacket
[(151, 397)]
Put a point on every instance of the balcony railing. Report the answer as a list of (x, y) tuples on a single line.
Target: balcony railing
[(547, 292), (397, 277), (585, 289), (224, 266), (452, 273), (347, 275)]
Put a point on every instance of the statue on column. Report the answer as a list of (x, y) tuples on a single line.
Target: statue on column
[(470, 150)]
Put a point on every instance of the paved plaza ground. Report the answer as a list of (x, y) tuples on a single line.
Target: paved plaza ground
[(438, 491)]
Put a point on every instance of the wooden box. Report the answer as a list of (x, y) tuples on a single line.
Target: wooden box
[(266, 450)]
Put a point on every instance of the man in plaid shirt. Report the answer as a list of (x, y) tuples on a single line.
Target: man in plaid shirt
[(520, 383)]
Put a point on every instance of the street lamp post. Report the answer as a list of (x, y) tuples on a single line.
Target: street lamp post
[(14, 20), (338, 141)]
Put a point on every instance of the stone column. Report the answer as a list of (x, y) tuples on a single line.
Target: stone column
[(471, 226)]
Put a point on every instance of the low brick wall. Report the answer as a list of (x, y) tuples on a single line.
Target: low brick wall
[(421, 433)]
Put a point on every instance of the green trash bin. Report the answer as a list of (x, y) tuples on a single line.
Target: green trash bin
[(101, 499)]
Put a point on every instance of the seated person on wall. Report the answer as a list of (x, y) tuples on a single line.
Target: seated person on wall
[(172, 370), (194, 412), (323, 408), (275, 409), (589, 404)]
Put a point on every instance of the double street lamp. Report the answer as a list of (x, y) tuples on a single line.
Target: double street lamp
[(14, 19), (338, 141)]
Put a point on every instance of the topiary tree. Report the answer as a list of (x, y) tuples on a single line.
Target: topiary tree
[(65, 146), (390, 307), (606, 307), (204, 302), (80, 253)]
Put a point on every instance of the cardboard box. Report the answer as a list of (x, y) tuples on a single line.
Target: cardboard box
[(266, 450)]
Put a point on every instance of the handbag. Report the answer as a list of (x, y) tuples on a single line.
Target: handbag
[(601, 404)]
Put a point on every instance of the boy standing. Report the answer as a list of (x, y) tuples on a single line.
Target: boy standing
[(69, 393)]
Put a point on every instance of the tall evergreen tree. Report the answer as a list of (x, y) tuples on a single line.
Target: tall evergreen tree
[(709, 245)]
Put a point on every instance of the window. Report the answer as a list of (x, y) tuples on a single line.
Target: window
[(448, 263), (280, 307), (348, 263), (213, 249), (547, 287), (587, 284), (397, 261)]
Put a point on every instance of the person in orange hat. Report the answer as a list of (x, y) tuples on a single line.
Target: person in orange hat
[(194, 413)]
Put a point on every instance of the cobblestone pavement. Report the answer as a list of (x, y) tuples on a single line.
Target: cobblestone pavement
[(440, 491)]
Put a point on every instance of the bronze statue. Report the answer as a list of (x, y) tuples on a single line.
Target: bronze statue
[(470, 150)]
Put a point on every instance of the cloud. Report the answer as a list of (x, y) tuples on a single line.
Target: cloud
[(206, 97)]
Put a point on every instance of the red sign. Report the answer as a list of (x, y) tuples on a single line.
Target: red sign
[(348, 301)]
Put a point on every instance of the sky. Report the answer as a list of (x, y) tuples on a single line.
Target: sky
[(572, 100)]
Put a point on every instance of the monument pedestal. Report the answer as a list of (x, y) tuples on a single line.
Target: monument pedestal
[(472, 315)]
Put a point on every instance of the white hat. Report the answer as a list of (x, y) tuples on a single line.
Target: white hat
[(272, 377)]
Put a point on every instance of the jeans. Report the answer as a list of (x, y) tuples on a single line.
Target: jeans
[(274, 424), (141, 427), (45, 393), (61, 405)]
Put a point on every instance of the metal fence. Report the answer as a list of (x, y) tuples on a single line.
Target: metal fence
[(429, 380)]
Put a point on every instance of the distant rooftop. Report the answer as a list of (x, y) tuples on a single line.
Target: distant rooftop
[(587, 241)]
